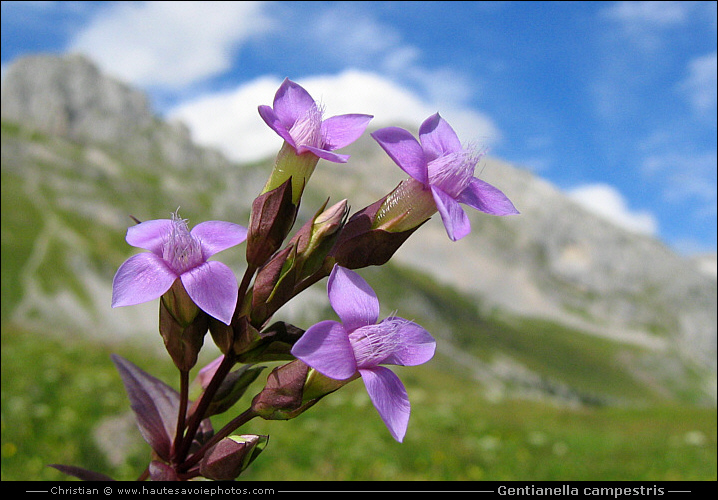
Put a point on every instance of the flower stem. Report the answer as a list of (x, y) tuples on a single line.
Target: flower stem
[(243, 286), (225, 366), (231, 426), (197, 416), (182, 413), (145, 473)]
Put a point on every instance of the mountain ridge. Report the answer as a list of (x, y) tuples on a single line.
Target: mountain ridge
[(555, 261)]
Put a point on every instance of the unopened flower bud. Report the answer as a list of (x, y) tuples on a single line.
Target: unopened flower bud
[(274, 343), (281, 398), (233, 454), (232, 387), (160, 471), (292, 389), (273, 215), (274, 283), (361, 243), (317, 237)]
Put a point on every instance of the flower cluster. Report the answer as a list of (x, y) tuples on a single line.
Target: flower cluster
[(198, 295)]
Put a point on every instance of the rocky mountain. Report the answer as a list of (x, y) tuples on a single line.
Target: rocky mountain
[(81, 151)]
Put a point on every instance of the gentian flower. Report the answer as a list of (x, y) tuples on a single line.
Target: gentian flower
[(442, 176), (176, 253), (359, 344), (298, 119)]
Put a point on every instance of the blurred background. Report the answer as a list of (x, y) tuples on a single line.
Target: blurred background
[(576, 341)]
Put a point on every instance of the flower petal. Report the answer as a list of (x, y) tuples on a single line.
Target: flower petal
[(291, 101), (149, 235), (215, 236), (213, 287), (352, 298), (486, 198), (324, 154), (271, 119), (417, 345), (326, 348), (405, 150), (141, 278), (438, 138), (455, 220), (342, 130), (389, 397)]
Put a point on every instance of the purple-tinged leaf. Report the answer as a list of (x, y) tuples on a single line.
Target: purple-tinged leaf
[(160, 471), (155, 405), (80, 473)]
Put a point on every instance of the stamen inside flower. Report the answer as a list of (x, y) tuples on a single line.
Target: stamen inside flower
[(372, 344), (181, 251), (453, 172), (307, 130)]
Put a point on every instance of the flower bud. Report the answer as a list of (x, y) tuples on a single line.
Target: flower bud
[(292, 389), (160, 471), (232, 388), (273, 215), (281, 398), (317, 237), (273, 344), (361, 243), (276, 281), (233, 454)]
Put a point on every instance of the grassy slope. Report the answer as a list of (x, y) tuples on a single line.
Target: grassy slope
[(54, 393)]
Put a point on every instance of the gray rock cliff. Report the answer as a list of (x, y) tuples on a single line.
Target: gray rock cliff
[(555, 260)]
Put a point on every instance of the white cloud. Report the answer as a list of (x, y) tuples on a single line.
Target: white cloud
[(171, 44), (370, 45), (230, 122), (689, 177), (700, 84), (606, 201), (644, 23), (657, 13)]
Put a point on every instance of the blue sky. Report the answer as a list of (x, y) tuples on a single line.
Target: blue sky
[(615, 103)]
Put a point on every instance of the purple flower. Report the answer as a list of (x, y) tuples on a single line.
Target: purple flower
[(359, 343), (176, 252), (297, 118), (441, 165)]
